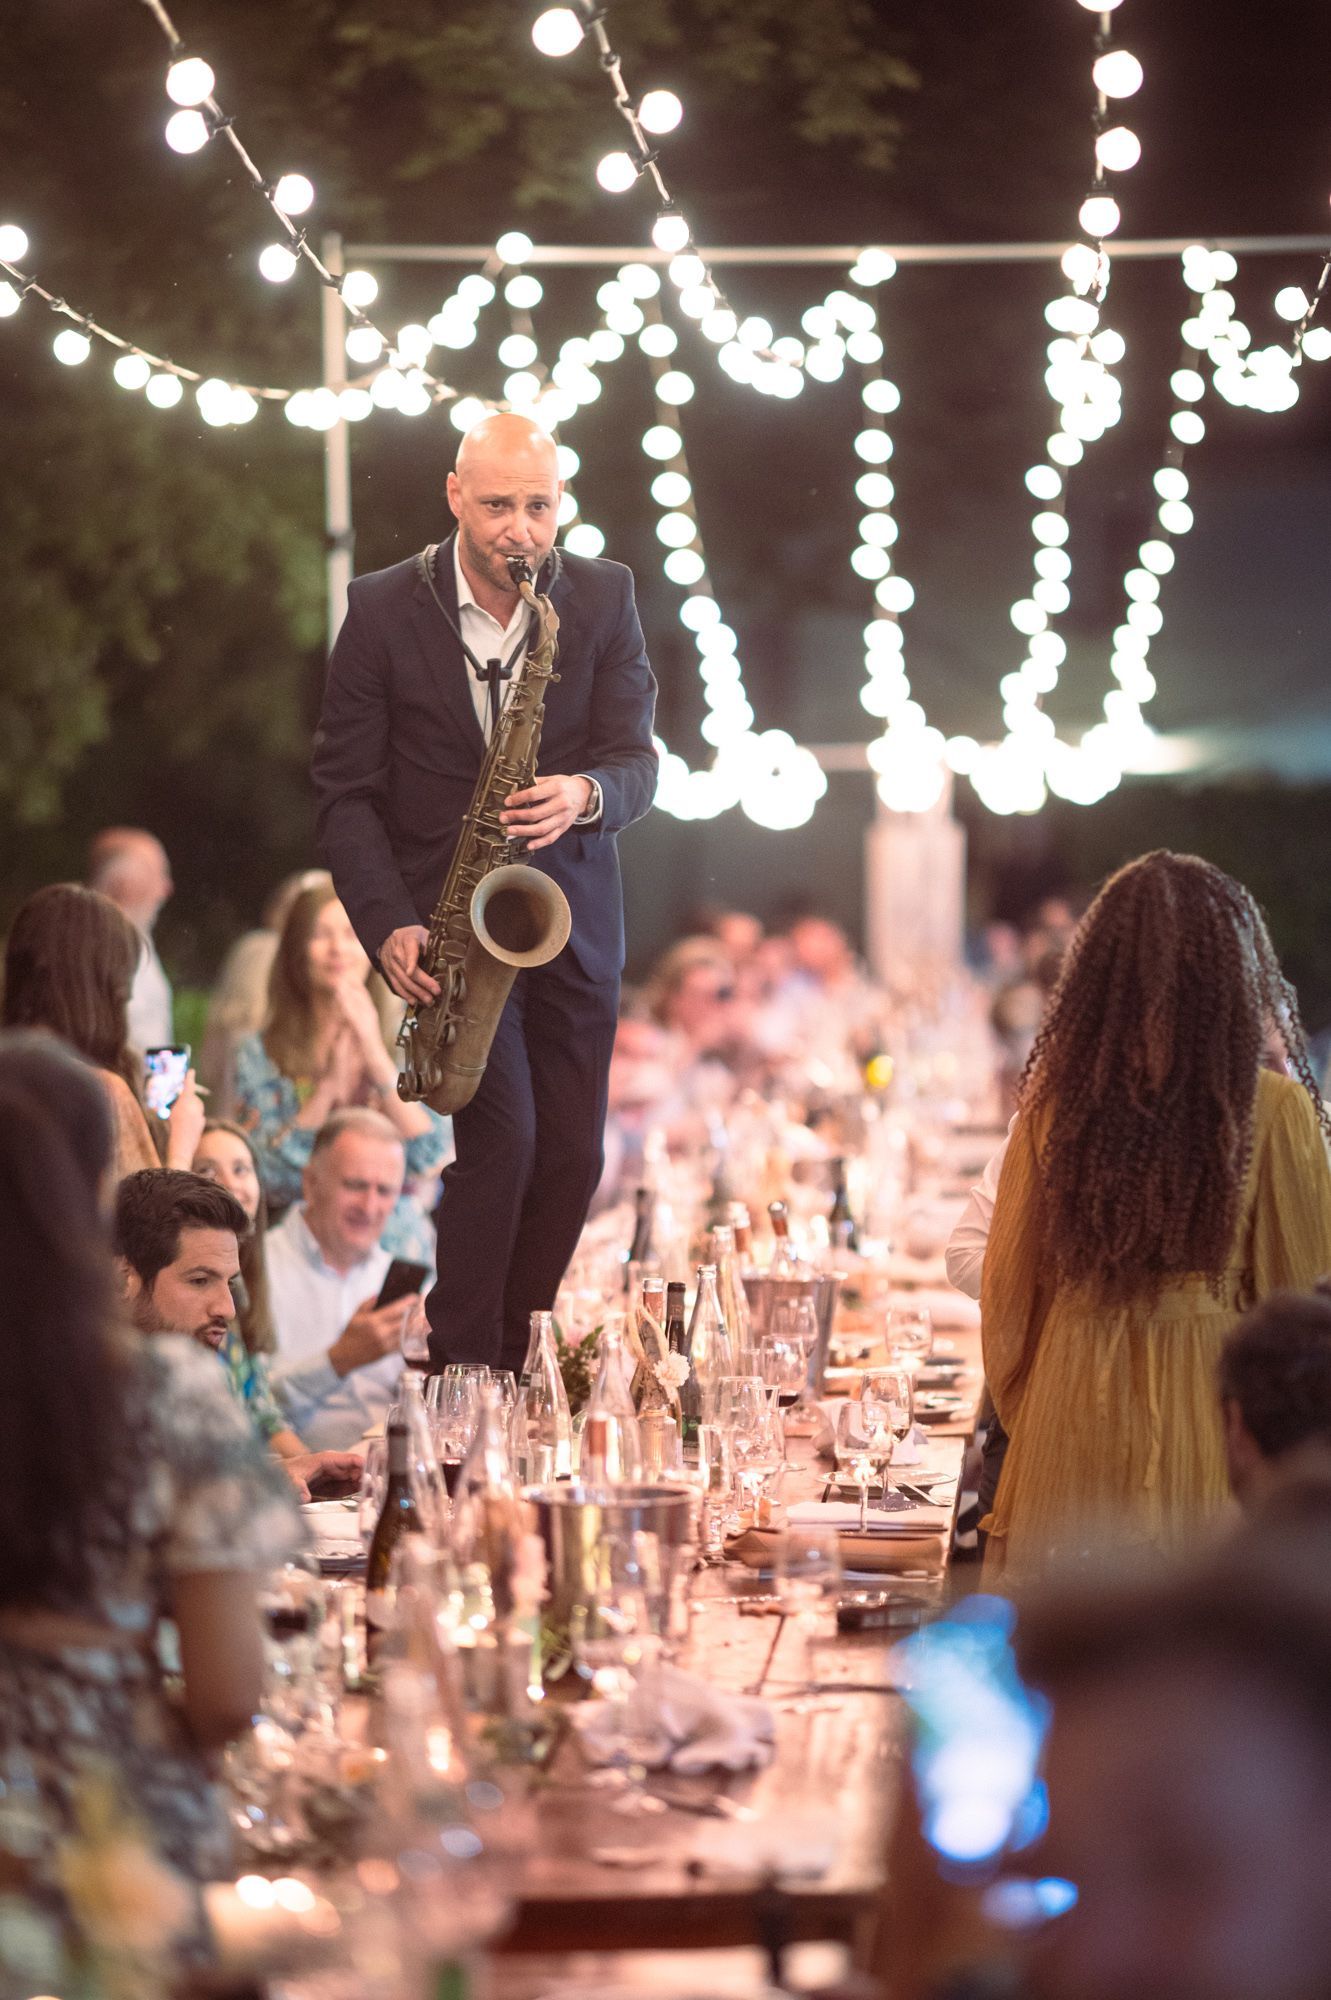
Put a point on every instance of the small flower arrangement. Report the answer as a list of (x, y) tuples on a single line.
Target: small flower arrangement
[(576, 1358), (672, 1372)]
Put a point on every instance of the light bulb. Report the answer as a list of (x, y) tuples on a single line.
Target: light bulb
[(684, 566), (524, 291), (1099, 215), (517, 350), (1156, 556), (699, 612), (522, 387), (755, 332), (1044, 482), (675, 386), (452, 329), (359, 289), (1317, 343), (214, 400), (640, 281), (1118, 149), (1171, 483), (1187, 385), (671, 489), (875, 489), (670, 232), (293, 194), (364, 344), (881, 396), (1080, 265), (163, 391), (1291, 302), (1050, 529), (414, 343), (658, 340), (1054, 565), (676, 530), (660, 111), (10, 300), (1117, 73), (687, 271), (186, 131), (605, 344), (1141, 586), (355, 404), (513, 247), (465, 412), (71, 347), (1028, 617), (880, 531), (1187, 426), (189, 81), (276, 263), (584, 540), (13, 243), (895, 594), (1052, 596), (557, 31), (661, 441), (616, 172), (1108, 346), (1072, 316), (1175, 516), (131, 371), (874, 447)]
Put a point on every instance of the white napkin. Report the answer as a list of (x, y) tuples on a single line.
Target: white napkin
[(701, 1729), (333, 1526), (844, 1516)]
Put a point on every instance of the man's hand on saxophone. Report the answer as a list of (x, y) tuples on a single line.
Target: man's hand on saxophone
[(400, 963), (546, 809)]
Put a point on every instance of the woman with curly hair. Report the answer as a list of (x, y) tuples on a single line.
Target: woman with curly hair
[(1159, 1180)]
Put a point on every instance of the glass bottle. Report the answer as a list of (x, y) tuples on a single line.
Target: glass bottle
[(541, 1428), (610, 1433), (742, 1225), (426, 1474), (486, 1474), (841, 1231), (711, 1353), (732, 1297), (657, 1402), (640, 1248), (785, 1262), (649, 1321), (399, 1518)]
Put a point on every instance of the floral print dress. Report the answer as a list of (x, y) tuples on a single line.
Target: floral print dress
[(197, 1492)]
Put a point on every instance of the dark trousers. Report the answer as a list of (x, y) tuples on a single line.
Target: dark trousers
[(529, 1153)]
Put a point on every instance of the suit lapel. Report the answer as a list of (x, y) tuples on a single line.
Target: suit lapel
[(447, 663)]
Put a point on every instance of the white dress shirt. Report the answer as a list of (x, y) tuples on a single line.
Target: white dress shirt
[(148, 1016), (968, 1242), (311, 1305), (490, 640)]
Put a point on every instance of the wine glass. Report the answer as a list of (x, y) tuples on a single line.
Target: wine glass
[(373, 1479), (808, 1579), (858, 1441), (783, 1363), (892, 1390), (617, 1643), (910, 1334)]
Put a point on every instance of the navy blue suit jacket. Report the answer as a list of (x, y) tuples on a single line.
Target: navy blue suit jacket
[(398, 748)]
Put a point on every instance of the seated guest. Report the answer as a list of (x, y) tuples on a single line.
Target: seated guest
[(238, 1004), (1188, 1767), (132, 1491), (225, 1155), (691, 993), (338, 1360), (1275, 1394), (323, 1049), (1158, 1180), (176, 1239), (128, 865), (69, 966)]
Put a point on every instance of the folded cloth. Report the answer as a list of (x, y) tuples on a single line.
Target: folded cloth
[(844, 1516), (698, 1728), (333, 1527), (861, 1555)]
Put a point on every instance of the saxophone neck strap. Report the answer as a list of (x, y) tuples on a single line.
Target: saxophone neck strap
[(489, 671)]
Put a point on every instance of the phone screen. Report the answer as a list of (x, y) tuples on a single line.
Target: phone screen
[(166, 1069), (401, 1279), (977, 1736)]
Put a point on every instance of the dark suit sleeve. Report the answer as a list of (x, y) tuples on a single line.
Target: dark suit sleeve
[(623, 761), (350, 771)]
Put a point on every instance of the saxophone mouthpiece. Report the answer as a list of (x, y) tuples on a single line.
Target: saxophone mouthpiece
[(519, 569)]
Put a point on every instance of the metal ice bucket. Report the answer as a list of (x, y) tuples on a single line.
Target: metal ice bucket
[(576, 1522), (824, 1288)]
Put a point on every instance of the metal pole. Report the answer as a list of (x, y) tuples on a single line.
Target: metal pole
[(339, 537), (833, 253)]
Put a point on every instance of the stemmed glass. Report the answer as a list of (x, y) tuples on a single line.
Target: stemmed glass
[(456, 1404), (617, 1642), (892, 1390), (808, 1579), (863, 1446), (910, 1334), (373, 1479), (758, 1446)]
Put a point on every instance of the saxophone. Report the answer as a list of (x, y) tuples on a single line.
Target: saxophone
[(495, 914)]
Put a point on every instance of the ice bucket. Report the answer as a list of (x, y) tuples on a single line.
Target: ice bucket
[(576, 1522), (824, 1288)]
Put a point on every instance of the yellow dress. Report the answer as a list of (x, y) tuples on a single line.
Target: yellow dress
[(1112, 1413)]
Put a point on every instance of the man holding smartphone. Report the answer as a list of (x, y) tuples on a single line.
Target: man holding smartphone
[(339, 1349)]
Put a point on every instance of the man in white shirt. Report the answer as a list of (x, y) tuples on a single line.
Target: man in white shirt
[(338, 1361), (129, 867)]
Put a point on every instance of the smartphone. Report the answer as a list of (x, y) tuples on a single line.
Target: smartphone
[(401, 1279), (166, 1069), (976, 1737)]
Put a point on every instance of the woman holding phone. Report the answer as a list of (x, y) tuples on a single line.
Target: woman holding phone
[(69, 965)]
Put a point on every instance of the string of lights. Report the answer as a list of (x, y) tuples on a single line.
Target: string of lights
[(190, 84), (557, 32)]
